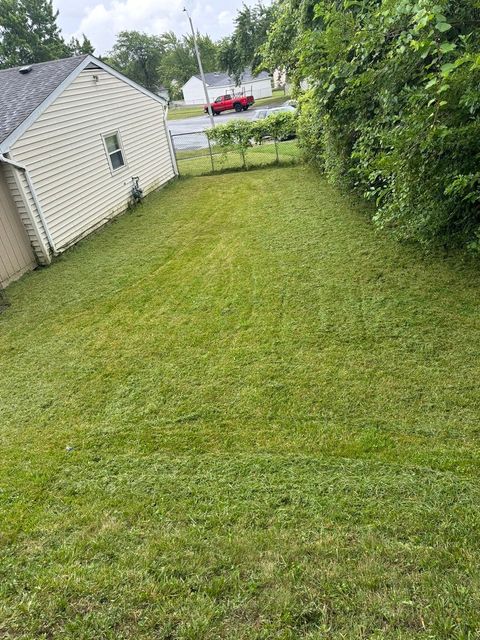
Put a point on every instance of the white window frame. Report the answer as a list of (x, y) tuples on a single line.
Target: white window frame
[(121, 148)]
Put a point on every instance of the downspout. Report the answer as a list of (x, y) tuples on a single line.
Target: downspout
[(24, 170)]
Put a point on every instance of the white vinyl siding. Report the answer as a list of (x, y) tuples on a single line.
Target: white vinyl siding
[(65, 153), (16, 255)]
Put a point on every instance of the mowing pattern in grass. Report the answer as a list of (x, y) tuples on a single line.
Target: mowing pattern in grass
[(274, 421)]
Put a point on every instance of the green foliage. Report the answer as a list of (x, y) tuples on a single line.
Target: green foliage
[(29, 33), (242, 49), (234, 134), (78, 48), (241, 133), (138, 56), (290, 18), (178, 62), (168, 60), (309, 128), (281, 126), (394, 107)]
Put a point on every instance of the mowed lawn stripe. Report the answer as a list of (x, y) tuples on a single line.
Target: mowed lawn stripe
[(273, 418)]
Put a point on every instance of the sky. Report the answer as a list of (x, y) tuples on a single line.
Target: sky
[(102, 20)]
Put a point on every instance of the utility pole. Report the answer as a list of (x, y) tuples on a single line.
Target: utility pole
[(200, 67)]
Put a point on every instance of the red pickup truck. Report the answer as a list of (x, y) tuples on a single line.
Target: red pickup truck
[(230, 102)]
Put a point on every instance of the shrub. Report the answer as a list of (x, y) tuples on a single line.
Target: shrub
[(235, 134), (241, 134), (394, 110), (310, 131), (280, 126)]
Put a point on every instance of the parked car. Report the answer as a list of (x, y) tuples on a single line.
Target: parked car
[(261, 114), (230, 103)]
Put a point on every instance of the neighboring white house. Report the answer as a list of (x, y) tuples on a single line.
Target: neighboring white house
[(73, 135), (219, 84)]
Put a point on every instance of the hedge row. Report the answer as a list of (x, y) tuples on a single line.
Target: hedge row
[(244, 133), (393, 109)]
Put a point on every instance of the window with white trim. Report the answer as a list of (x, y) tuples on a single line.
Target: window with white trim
[(114, 148)]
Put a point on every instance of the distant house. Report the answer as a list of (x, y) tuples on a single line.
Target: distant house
[(218, 84), (73, 135)]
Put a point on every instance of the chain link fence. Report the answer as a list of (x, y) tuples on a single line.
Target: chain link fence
[(197, 156)]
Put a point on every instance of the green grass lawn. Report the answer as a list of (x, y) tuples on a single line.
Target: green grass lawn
[(192, 111), (189, 111), (274, 415)]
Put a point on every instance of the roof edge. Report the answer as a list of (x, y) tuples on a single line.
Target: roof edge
[(121, 76), (43, 106), (36, 113), (213, 86)]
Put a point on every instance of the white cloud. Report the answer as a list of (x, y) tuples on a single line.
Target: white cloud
[(225, 19), (102, 22)]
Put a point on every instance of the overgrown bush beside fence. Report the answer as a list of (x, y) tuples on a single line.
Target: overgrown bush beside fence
[(233, 135), (393, 108), (240, 135)]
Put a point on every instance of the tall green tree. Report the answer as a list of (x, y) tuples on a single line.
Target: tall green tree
[(243, 48), (166, 59), (179, 62), (290, 19), (29, 33), (78, 48), (138, 55)]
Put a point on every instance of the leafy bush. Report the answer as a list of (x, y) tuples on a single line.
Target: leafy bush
[(310, 131), (242, 134), (235, 133), (394, 109), (280, 126)]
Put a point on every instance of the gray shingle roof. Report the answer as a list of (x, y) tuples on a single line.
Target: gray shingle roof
[(21, 94), (218, 79)]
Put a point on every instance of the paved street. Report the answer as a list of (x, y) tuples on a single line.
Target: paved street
[(185, 132), (200, 123)]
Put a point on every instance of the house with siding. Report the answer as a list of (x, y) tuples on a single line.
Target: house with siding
[(74, 134), (219, 84)]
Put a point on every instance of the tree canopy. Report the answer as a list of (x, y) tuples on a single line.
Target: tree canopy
[(78, 47), (138, 55), (243, 48), (179, 62), (29, 33), (166, 59)]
